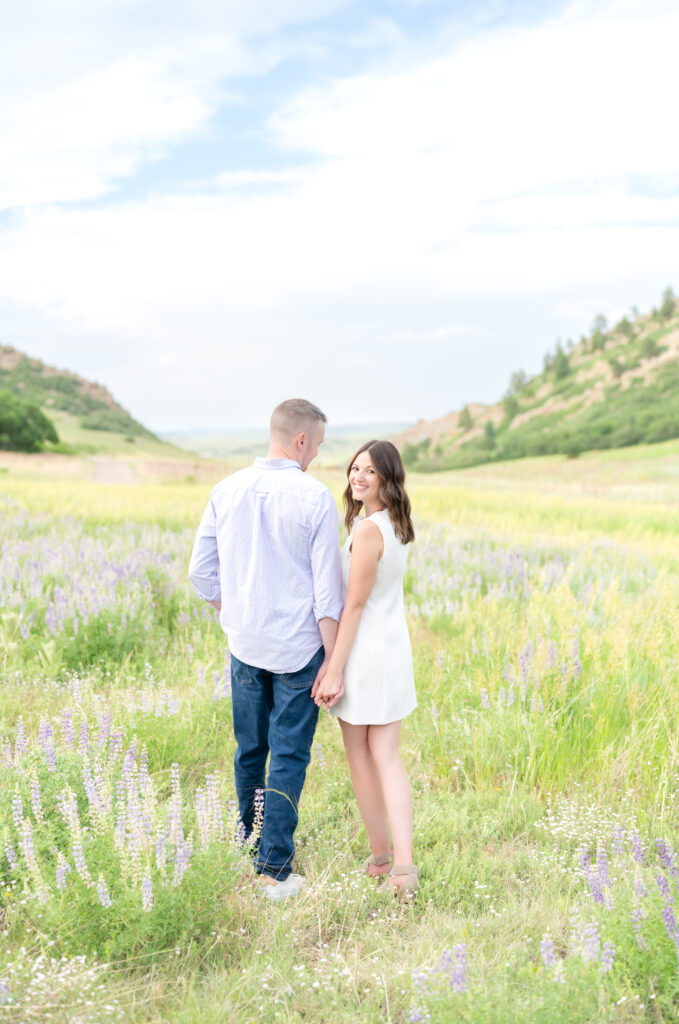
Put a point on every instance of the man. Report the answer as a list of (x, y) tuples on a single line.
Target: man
[(267, 558)]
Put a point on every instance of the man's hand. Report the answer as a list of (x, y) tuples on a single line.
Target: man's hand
[(327, 690)]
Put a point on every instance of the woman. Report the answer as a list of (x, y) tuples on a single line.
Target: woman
[(372, 659)]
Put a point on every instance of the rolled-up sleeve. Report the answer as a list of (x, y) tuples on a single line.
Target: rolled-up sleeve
[(204, 563), (326, 567)]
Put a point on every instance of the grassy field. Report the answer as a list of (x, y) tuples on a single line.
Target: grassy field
[(544, 611)]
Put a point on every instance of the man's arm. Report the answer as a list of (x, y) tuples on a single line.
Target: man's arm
[(204, 563), (327, 578)]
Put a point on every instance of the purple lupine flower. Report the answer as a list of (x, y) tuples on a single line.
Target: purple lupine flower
[(5, 992), (671, 925), (617, 843), (607, 957), (147, 893), (84, 736), (485, 703), (510, 696), (160, 847), (181, 861), (104, 728), (36, 799), (26, 842), (115, 748), (637, 915), (103, 893), (201, 675), (62, 869), (668, 859), (639, 887), (79, 860), (217, 680), (458, 977), (602, 866), (590, 942), (66, 715), (547, 950), (10, 853), (17, 811), (664, 887), (414, 1017), (319, 755), (635, 843), (583, 857), (594, 886)]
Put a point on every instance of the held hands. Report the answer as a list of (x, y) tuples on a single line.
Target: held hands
[(328, 687)]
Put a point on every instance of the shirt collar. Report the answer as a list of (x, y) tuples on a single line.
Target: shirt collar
[(276, 463)]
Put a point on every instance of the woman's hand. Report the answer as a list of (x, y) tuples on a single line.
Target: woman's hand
[(328, 688)]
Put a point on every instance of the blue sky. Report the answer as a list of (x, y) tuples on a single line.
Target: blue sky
[(386, 207)]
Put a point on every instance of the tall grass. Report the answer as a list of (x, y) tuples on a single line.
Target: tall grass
[(543, 756)]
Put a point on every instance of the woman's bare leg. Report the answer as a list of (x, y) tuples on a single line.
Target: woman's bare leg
[(383, 745), (367, 790)]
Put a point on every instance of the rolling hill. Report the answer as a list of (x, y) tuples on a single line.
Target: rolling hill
[(87, 418), (617, 387)]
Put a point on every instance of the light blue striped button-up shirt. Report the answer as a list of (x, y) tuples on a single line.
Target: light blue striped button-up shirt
[(268, 549)]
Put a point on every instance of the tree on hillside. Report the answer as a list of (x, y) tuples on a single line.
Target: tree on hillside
[(511, 407), (599, 324), (465, 421), (667, 307), (598, 341), (23, 425), (488, 435), (560, 365), (625, 328), (517, 382)]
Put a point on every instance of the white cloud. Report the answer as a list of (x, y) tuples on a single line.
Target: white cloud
[(493, 176)]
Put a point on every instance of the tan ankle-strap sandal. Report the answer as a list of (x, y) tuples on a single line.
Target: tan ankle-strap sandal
[(377, 860), (407, 887)]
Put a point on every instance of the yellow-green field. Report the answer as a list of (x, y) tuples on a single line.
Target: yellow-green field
[(544, 611)]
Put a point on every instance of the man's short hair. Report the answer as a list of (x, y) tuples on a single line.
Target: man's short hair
[(295, 416)]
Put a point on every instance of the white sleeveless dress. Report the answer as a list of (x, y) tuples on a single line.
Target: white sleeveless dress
[(379, 684)]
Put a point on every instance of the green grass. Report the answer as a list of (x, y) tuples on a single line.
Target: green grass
[(544, 623)]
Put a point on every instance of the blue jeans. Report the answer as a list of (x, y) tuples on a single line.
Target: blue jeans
[(273, 715)]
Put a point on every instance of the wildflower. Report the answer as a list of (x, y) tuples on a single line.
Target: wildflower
[(607, 957), (485, 703), (618, 836), (458, 979), (103, 893), (671, 925), (17, 811), (590, 942), (635, 843), (63, 868), (664, 887), (639, 887), (147, 892), (602, 866), (547, 950)]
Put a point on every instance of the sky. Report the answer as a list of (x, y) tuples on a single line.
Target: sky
[(386, 207)]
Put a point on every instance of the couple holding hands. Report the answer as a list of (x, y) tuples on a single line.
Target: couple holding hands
[(311, 627)]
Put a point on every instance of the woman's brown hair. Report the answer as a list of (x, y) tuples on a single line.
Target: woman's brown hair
[(388, 464)]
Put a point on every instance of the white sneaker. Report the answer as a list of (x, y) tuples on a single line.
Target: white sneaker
[(275, 890)]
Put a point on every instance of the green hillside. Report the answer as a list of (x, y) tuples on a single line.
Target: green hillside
[(87, 418), (617, 387)]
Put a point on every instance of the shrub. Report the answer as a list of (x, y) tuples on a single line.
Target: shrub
[(23, 426)]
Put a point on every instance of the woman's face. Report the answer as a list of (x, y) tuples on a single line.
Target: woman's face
[(364, 481)]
